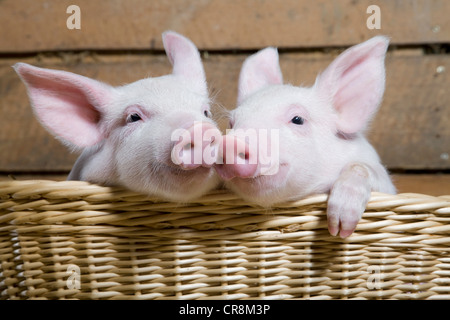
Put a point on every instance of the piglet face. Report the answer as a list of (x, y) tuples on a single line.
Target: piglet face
[(162, 141), (286, 159)]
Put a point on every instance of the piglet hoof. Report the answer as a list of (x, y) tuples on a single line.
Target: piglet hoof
[(347, 201)]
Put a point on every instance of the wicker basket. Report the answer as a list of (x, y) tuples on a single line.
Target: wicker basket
[(76, 240)]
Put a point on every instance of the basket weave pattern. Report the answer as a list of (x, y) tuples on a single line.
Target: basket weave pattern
[(122, 245)]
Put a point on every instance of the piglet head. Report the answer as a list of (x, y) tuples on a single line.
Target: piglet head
[(310, 133), (128, 133)]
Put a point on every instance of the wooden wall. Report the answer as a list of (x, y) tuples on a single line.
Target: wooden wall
[(120, 41)]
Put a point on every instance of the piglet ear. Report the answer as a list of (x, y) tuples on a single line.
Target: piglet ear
[(354, 83), (258, 71), (185, 58), (70, 106)]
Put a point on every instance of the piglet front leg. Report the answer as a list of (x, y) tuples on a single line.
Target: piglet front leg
[(348, 199)]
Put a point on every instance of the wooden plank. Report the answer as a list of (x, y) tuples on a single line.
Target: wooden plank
[(430, 184), (411, 130), (34, 176), (40, 25)]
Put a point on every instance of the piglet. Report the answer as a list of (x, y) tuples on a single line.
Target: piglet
[(289, 142), (149, 136)]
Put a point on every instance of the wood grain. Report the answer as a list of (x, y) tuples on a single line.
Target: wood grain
[(39, 25), (411, 130)]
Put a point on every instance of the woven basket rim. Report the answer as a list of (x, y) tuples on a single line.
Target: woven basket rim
[(81, 207), (78, 189)]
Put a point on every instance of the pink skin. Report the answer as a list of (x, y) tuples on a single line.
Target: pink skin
[(198, 146), (322, 148), (125, 133), (235, 154)]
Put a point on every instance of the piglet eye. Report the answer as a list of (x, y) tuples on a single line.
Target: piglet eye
[(298, 120), (134, 117), (207, 113)]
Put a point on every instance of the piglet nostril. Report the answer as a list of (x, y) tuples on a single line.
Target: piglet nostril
[(243, 155)]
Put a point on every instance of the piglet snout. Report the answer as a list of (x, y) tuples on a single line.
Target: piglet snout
[(197, 146), (237, 160)]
